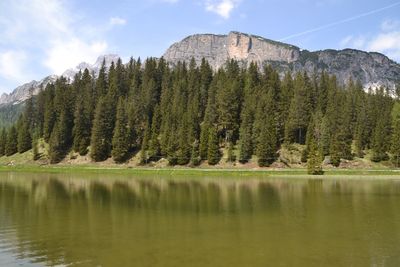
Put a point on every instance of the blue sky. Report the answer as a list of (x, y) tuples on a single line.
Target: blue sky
[(42, 37)]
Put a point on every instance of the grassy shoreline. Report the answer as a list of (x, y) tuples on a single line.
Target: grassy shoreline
[(390, 173)]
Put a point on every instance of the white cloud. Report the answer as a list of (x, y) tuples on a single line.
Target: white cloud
[(223, 8), (64, 55), (387, 41), (357, 42), (12, 65), (117, 21), (390, 25), (46, 33)]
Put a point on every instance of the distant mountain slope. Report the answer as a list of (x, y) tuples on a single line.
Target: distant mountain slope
[(371, 69), (21, 93)]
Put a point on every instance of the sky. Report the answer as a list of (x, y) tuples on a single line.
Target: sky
[(43, 37)]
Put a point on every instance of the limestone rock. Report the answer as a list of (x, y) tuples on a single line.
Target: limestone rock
[(371, 69)]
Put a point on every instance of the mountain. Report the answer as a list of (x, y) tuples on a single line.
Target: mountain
[(371, 69), (21, 93)]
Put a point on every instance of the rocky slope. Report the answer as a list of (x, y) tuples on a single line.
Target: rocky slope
[(371, 69), (23, 92)]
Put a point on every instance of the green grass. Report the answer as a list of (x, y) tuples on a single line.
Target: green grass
[(198, 172)]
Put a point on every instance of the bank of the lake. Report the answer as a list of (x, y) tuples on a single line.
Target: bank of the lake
[(221, 172)]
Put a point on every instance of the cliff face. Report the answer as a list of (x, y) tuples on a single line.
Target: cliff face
[(371, 69), (218, 48)]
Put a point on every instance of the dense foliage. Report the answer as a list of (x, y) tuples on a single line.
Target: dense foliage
[(188, 114)]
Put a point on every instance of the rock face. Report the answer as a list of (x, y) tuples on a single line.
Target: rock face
[(218, 48), (23, 92), (371, 69)]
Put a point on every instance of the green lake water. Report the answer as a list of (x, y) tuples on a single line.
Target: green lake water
[(111, 220)]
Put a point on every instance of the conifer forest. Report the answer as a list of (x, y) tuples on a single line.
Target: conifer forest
[(190, 115)]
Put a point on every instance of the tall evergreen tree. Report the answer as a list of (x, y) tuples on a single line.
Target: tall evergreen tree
[(265, 125), (24, 136), (213, 153), (120, 142), (314, 162), (395, 147), (3, 142), (102, 131), (12, 145), (299, 111)]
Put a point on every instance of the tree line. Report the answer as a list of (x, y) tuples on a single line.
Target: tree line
[(188, 114)]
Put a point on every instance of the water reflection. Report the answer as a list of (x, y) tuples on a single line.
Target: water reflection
[(63, 219)]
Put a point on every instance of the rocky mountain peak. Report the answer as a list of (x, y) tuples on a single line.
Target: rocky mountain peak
[(21, 93), (371, 69)]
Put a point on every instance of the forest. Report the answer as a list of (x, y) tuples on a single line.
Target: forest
[(190, 114)]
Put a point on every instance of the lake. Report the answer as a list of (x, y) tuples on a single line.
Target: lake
[(112, 220)]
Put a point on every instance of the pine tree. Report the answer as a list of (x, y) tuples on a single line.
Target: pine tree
[(154, 145), (395, 146), (35, 149), (195, 159), (380, 143), (299, 111), (203, 147), (103, 126), (59, 142), (3, 142), (24, 136), (245, 141), (84, 113), (314, 162), (12, 145), (335, 150), (265, 127), (49, 114), (213, 153), (231, 153), (144, 156), (120, 142)]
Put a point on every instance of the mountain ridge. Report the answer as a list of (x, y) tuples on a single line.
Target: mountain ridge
[(23, 92), (372, 69)]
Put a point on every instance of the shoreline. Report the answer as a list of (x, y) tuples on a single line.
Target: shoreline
[(179, 171)]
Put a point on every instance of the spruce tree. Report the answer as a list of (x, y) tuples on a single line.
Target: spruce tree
[(245, 141), (395, 145), (231, 152), (24, 136), (59, 142), (3, 142), (203, 147), (195, 159), (49, 117), (103, 126), (12, 144), (314, 162), (213, 153), (265, 127), (299, 111), (120, 142), (154, 143), (35, 147)]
